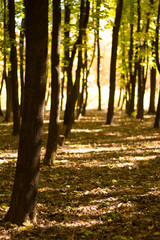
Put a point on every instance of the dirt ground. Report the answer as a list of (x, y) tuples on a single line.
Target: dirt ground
[(105, 183)]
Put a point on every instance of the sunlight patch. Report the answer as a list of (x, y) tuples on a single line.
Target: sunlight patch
[(81, 223), (86, 130)]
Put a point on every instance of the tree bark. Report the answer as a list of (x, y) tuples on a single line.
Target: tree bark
[(66, 46), (13, 60), (24, 195), (132, 74), (6, 78), (152, 90), (55, 86), (71, 88), (21, 53), (98, 55), (113, 61), (156, 123)]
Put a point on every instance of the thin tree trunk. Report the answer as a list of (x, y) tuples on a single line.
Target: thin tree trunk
[(156, 123), (22, 63), (113, 61), (1, 113), (152, 90), (13, 60), (8, 98), (139, 68), (132, 75), (142, 71), (86, 71), (6, 78), (72, 88), (55, 87), (66, 47), (25, 189), (98, 55)]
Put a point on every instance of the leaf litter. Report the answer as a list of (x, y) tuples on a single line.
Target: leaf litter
[(105, 183)]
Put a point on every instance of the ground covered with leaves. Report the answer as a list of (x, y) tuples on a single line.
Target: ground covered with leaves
[(105, 183)]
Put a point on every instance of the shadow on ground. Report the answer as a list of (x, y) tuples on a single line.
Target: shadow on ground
[(105, 184)]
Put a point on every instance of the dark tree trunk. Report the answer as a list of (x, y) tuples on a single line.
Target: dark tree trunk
[(142, 71), (156, 123), (132, 74), (113, 61), (85, 90), (8, 98), (98, 55), (24, 195), (139, 69), (62, 89), (120, 95), (1, 112), (74, 96), (13, 60), (21, 52), (72, 88), (7, 78), (152, 90), (66, 46), (55, 86), (88, 68), (140, 92)]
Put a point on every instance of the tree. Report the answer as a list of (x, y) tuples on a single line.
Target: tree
[(24, 195), (67, 16), (156, 123), (21, 53), (152, 90), (6, 76), (55, 86), (98, 53), (153, 72), (13, 60), (113, 61), (73, 88)]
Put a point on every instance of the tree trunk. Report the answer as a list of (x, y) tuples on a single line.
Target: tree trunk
[(13, 60), (152, 90), (1, 112), (21, 53), (86, 71), (55, 86), (140, 92), (6, 78), (98, 55), (8, 98), (113, 61), (66, 46), (24, 195), (156, 123), (74, 96), (142, 71), (72, 88), (132, 74)]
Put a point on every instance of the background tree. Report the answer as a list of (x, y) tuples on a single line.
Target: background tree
[(13, 72), (73, 88), (98, 52), (55, 86), (156, 123), (113, 61)]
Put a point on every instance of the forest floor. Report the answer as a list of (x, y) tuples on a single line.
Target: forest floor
[(105, 183)]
